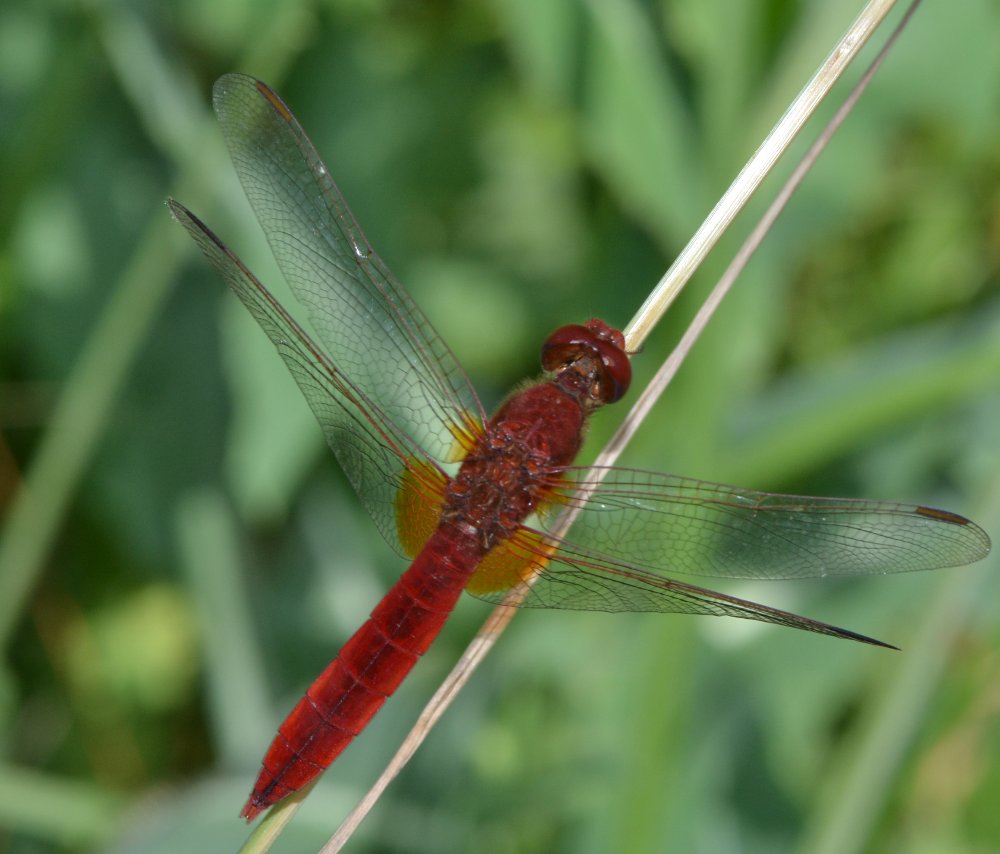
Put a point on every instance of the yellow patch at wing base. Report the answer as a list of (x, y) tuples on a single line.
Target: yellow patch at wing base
[(418, 505), (420, 498), (509, 564), (466, 435)]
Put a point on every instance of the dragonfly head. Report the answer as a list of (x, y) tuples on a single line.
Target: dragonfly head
[(589, 360)]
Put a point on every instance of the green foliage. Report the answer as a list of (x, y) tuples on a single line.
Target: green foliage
[(179, 555)]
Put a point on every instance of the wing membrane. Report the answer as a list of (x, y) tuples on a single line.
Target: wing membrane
[(561, 580), (680, 526), (366, 324), (372, 450)]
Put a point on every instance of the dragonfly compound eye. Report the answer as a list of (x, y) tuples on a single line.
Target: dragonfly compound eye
[(597, 341)]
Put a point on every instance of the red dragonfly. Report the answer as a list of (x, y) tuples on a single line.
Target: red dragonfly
[(397, 409)]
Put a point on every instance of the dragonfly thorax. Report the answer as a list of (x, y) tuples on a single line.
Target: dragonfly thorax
[(514, 463)]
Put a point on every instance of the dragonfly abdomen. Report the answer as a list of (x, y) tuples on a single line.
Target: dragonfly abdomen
[(368, 668)]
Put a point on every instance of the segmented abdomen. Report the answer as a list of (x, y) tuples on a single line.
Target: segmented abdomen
[(368, 669)]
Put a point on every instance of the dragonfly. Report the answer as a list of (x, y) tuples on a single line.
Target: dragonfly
[(475, 500)]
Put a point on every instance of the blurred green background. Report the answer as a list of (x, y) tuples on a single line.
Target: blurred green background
[(180, 555)]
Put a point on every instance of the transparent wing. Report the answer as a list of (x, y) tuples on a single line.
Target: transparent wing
[(375, 453), (365, 322), (368, 325), (662, 523), (635, 527), (386, 390), (556, 579)]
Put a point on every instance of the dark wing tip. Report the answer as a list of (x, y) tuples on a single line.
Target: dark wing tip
[(230, 83), (179, 212), (975, 537), (196, 227), (943, 516), (847, 634)]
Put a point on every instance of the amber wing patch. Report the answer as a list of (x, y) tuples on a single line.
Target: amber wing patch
[(466, 435), (418, 504), (508, 564)]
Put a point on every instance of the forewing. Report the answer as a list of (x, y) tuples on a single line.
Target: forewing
[(662, 523), (367, 325)]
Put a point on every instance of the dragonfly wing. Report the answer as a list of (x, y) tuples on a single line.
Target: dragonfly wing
[(556, 579), (365, 322), (373, 451), (662, 523)]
